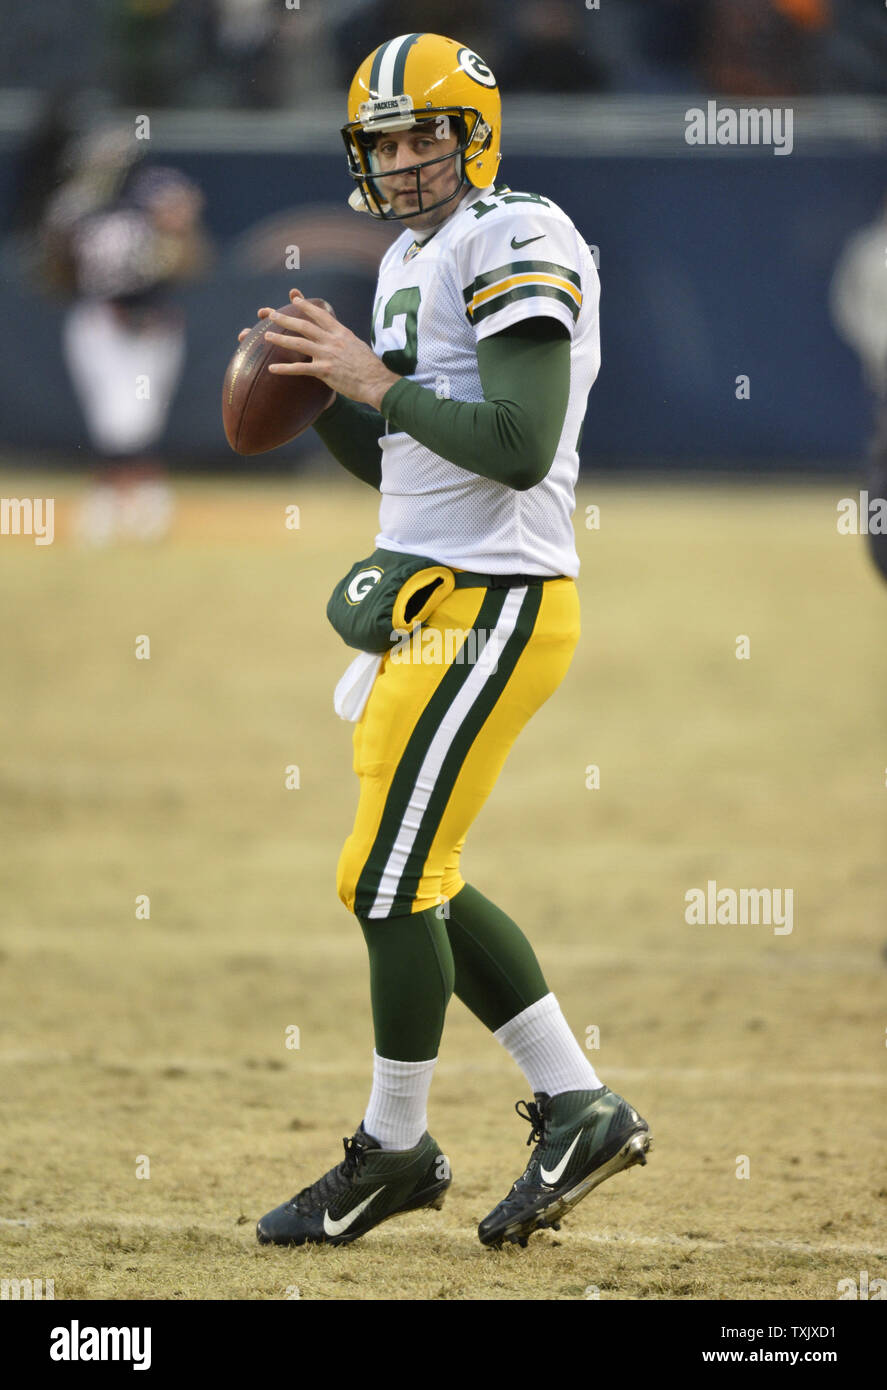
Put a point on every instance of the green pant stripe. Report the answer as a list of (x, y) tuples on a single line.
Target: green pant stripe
[(407, 770), (471, 726)]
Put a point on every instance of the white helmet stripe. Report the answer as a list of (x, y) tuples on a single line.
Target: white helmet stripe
[(389, 62)]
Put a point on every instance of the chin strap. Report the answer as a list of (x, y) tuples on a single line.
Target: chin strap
[(357, 202)]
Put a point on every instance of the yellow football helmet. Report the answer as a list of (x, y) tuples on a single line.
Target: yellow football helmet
[(414, 78)]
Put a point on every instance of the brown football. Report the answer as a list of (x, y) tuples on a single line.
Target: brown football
[(260, 409)]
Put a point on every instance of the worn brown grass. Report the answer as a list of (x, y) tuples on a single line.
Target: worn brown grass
[(165, 1038)]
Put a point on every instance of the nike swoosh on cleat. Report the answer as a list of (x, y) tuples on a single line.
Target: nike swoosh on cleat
[(556, 1173), (516, 245), (335, 1228)]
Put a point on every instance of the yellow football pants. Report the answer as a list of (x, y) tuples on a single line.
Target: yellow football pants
[(443, 713)]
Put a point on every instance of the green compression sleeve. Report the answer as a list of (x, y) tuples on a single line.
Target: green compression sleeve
[(352, 432), (411, 981), (512, 435)]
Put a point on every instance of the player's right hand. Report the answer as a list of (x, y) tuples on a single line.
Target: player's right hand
[(264, 313)]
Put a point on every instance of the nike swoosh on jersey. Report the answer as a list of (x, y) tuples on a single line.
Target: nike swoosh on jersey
[(516, 245), (557, 1173), (335, 1228)]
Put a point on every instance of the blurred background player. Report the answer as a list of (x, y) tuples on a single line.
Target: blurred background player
[(858, 299), (118, 236)]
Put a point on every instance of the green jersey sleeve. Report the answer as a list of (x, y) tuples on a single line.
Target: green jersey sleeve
[(352, 432)]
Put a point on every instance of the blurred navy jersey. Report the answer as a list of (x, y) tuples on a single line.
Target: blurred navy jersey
[(124, 338), (123, 341)]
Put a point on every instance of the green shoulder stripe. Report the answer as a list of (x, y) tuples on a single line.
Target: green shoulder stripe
[(504, 272), (499, 301)]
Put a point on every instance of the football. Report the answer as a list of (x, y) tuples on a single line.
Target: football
[(260, 409)]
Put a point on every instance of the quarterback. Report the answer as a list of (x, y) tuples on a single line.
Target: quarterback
[(465, 412)]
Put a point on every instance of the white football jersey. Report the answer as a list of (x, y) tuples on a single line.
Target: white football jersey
[(501, 257)]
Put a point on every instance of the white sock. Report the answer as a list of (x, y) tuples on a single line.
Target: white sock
[(540, 1041), (396, 1114)]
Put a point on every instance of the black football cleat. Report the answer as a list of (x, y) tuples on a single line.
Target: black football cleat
[(369, 1186), (583, 1138)]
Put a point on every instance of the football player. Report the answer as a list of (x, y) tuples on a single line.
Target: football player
[(123, 332), (465, 413)]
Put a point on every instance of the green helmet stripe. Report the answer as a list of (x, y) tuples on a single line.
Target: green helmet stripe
[(400, 64), (377, 67)]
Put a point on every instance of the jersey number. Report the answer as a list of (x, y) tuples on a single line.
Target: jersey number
[(402, 360), (503, 192)]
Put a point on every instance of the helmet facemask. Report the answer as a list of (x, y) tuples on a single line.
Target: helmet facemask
[(360, 139)]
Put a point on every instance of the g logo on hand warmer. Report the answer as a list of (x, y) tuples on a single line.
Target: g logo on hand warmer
[(361, 584)]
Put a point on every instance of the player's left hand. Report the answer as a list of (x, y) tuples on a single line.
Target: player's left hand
[(338, 357)]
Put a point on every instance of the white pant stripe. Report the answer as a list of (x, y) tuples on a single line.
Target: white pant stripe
[(438, 749)]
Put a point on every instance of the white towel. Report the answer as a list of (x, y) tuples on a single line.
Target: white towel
[(353, 690)]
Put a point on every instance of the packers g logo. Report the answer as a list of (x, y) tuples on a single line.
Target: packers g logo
[(361, 584), (475, 67)]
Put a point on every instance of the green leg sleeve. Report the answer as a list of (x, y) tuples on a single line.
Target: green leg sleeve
[(497, 973), (411, 981)]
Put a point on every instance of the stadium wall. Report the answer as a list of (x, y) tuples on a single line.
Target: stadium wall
[(711, 268)]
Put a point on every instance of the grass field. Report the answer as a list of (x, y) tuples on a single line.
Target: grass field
[(123, 1038)]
